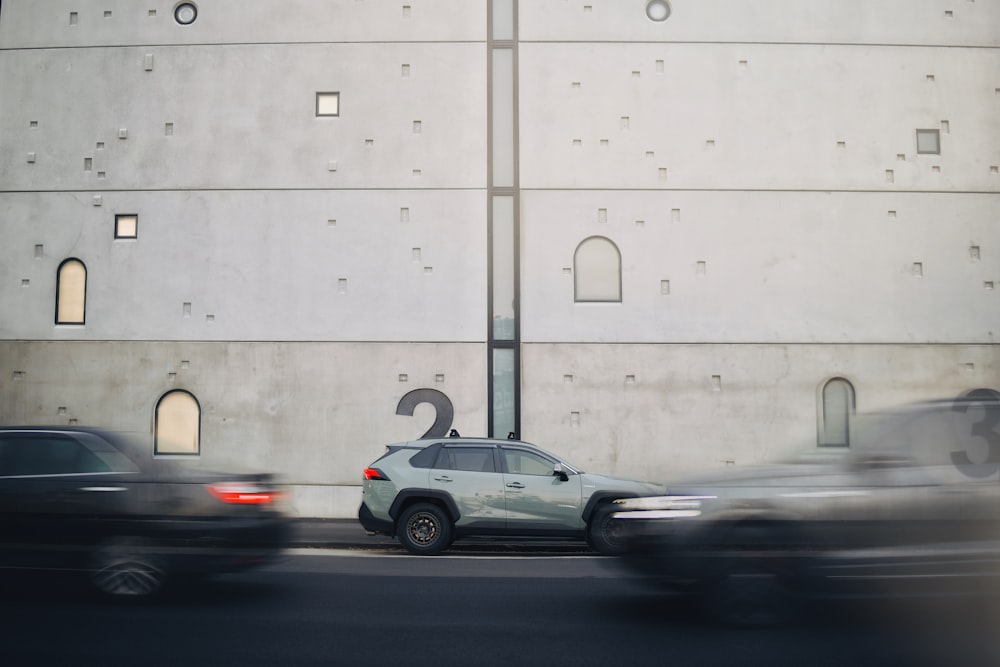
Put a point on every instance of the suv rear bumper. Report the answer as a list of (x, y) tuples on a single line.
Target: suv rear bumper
[(373, 524)]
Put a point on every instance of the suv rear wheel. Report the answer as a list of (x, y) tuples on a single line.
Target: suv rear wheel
[(424, 529)]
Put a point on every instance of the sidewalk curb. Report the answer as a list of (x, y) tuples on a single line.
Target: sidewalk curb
[(319, 533)]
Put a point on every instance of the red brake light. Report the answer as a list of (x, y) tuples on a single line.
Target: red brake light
[(375, 473), (239, 493)]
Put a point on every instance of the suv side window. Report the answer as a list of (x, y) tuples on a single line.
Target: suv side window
[(46, 454), (523, 462), (425, 457), (472, 459)]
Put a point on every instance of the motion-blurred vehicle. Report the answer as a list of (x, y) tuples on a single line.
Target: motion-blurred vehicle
[(913, 505), (89, 500), (430, 492)]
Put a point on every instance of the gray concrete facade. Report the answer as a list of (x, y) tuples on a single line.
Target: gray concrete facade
[(756, 166)]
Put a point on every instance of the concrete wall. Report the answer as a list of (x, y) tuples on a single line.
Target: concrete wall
[(788, 266), (315, 413), (657, 410), (760, 116), (754, 163), (253, 265)]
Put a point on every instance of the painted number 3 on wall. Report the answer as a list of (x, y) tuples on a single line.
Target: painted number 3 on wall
[(984, 438), (445, 411)]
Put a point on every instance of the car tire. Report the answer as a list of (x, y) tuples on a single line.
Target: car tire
[(127, 567), (602, 535), (424, 529)]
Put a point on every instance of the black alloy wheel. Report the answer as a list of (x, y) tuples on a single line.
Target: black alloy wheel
[(602, 532), (424, 529)]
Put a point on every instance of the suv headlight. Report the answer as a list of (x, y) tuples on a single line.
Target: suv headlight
[(660, 507)]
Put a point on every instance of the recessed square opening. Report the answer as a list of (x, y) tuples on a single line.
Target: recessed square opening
[(929, 142), (327, 104), (126, 226)]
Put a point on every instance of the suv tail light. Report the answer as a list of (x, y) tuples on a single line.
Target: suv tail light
[(243, 493), (375, 474)]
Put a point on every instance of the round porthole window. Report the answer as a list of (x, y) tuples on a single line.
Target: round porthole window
[(186, 12), (658, 10)]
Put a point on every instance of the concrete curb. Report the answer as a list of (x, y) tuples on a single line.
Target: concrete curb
[(349, 534)]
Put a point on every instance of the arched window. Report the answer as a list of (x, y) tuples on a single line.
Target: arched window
[(177, 427), (836, 411), (981, 394), (71, 292), (597, 270)]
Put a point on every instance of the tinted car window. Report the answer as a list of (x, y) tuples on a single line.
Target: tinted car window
[(472, 459), (46, 455), (425, 457), (523, 462)]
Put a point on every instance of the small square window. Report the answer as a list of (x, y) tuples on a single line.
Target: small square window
[(127, 226), (327, 104), (929, 142)]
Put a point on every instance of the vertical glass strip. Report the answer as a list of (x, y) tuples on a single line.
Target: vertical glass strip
[(503, 19), (502, 198), (503, 392), (503, 268), (503, 118)]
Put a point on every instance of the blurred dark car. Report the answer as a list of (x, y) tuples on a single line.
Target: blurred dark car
[(89, 500), (912, 507)]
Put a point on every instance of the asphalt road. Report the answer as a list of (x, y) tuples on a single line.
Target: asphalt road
[(339, 607)]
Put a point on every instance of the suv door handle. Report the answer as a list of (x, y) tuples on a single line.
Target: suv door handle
[(443, 479), (515, 485)]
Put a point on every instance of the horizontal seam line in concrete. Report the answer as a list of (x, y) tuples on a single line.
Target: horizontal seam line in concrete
[(523, 342), (522, 189), (510, 43)]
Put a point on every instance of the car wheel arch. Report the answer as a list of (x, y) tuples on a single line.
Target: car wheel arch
[(408, 497), (602, 498)]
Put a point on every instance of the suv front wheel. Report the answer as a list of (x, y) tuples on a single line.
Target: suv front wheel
[(602, 532), (424, 529)]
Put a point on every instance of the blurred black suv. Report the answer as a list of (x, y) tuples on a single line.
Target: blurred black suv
[(89, 500)]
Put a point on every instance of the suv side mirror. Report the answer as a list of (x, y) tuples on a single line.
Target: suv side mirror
[(557, 471)]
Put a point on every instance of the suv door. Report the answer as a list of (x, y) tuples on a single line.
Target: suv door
[(470, 475), (536, 498), (54, 492)]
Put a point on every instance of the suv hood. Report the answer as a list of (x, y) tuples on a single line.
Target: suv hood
[(602, 482)]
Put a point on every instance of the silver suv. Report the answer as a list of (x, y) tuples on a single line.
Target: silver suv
[(430, 492)]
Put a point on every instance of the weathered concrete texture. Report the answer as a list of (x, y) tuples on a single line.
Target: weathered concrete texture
[(755, 116), (253, 265), (653, 411), (244, 116), (240, 21), (898, 22), (315, 413), (789, 267)]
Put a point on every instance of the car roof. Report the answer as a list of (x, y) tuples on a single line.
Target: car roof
[(460, 440), (61, 428)]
